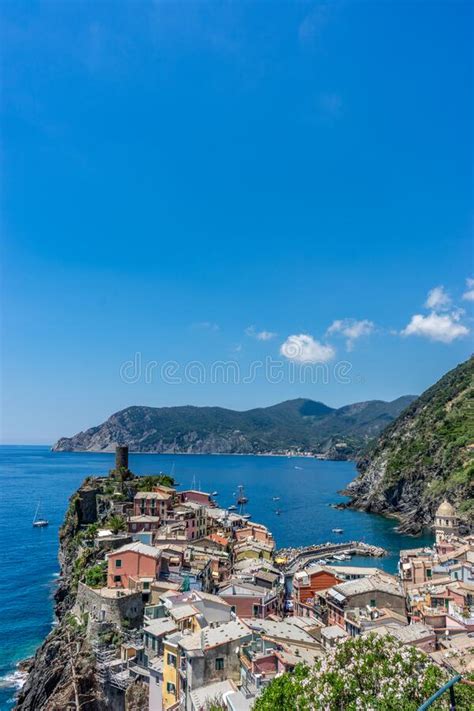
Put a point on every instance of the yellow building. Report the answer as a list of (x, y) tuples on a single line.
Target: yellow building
[(252, 549), (171, 662)]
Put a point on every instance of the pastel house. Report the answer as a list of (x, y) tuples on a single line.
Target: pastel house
[(132, 564), (152, 503)]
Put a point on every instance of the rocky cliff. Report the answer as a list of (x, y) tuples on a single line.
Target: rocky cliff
[(302, 425), (424, 456), (62, 672)]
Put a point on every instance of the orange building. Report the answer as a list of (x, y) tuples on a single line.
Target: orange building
[(306, 584)]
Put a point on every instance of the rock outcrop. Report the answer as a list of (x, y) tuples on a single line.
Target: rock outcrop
[(425, 455), (62, 673)]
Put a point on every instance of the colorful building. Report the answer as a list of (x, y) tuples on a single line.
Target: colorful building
[(133, 563)]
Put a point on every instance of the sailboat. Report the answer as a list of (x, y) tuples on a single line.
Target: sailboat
[(39, 522)]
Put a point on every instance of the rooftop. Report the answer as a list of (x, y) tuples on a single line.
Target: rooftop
[(445, 509), (283, 630), (181, 612), (407, 634), (215, 636), (143, 518), (333, 632), (160, 626), (235, 587), (203, 696), (382, 583), (137, 547)]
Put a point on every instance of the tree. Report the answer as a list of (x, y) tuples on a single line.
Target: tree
[(91, 531), (147, 483), (116, 523), (285, 692), (96, 576), (363, 674)]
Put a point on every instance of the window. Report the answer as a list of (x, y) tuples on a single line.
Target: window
[(428, 573), (256, 610), (170, 688), (373, 603), (118, 563), (117, 578), (171, 659), (219, 663), (146, 586)]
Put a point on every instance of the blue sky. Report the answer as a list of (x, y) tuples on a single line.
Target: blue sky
[(201, 182)]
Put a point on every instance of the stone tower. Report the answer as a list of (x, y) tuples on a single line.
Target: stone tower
[(446, 522), (121, 457)]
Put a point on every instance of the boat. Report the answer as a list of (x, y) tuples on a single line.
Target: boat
[(298, 467), (278, 512), (241, 499), (338, 530), (232, 507), (247, 516), (39, 522), (276, 498), (339, 557), (214, 493)]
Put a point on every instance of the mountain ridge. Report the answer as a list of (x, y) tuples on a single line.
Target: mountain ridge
[(300, 424)]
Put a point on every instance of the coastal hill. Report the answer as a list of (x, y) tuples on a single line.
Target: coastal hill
[(298, 425), (424, 456)]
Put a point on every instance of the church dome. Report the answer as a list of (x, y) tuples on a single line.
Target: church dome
[(445, 509)]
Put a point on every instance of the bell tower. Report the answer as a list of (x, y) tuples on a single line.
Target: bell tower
[(446, 522)]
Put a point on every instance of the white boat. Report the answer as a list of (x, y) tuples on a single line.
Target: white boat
[(231, 507), (247, 516), (338, 530), (39, 522)]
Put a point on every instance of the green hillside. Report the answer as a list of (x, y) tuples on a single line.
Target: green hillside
[(302, 425), (425, 455)]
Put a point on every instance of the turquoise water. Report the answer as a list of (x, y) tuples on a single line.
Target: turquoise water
[(306, 488)]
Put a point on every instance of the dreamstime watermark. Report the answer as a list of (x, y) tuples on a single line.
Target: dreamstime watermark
[(231, 372)]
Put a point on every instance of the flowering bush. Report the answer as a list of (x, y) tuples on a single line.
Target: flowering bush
[(362, 674)]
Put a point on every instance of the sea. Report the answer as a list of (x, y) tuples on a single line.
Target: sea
[(32, 475)]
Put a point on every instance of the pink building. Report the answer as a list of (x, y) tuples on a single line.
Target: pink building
[(197, 497), (193, 518), (256, 532), (135, 562), (152, 503)]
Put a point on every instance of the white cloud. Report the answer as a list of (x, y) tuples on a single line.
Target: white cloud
[(469, 294), (351, 329), (303, 348), (438, 299), (259, 335), (437, 327)]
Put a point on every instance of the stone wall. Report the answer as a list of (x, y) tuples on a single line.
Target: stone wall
[(87, 505), (104, 608)]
